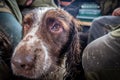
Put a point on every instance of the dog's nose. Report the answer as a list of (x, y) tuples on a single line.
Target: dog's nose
[(23, 62)]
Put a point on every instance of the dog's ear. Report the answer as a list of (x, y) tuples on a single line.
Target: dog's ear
[(27, 22), (73, 55), (78, 24)]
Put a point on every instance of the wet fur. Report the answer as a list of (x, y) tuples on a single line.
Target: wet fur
[(63, 47)]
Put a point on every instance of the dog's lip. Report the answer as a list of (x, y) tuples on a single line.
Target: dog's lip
[(27, 74)]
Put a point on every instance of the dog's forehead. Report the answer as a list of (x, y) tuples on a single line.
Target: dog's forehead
[(51, 12), (39, 12)]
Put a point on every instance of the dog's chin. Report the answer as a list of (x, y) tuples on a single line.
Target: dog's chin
[(30, 74)]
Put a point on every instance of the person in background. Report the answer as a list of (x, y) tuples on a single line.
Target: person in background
[(10, 34), (36, 3), (71, 6), (101, 57), (102, 25)]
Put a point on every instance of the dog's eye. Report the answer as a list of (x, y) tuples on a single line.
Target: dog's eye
[(56, 28)]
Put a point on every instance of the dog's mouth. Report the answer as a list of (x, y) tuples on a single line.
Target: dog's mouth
[(37, 74), (28, 73)]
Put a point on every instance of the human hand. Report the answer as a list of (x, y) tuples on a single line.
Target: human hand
[(65, 3), (116, 12)]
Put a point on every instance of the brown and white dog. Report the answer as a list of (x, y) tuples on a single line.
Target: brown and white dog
[(50, 49)]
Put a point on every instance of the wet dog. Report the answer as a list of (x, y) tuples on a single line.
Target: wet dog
[(50, 48)]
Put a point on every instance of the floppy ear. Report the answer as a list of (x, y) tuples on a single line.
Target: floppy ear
[(78, 24), (27, 22), (73, 54)]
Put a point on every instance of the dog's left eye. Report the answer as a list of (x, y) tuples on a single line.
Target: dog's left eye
[(56, 28)]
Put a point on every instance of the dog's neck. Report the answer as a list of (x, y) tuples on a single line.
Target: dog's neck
[(58, 74)]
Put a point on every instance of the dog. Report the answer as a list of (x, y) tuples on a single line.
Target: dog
[(50, 48)]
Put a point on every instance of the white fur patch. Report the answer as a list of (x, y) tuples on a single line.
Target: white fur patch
[(47, 58)]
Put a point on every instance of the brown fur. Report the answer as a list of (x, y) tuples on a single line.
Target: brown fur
[(62, 44)]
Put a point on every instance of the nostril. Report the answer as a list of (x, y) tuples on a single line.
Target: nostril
[(23, 66), (16, 63), (23, 62), (26, 66)]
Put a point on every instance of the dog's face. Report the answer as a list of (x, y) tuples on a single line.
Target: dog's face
[(39, 51)]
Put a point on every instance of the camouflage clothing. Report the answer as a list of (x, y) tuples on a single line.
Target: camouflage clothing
[(101, 58), (11, 6)]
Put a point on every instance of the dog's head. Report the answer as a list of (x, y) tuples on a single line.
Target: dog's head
[(50, 36)]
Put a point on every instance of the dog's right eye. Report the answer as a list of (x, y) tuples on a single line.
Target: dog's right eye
[(54, 25), (56, 28)]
